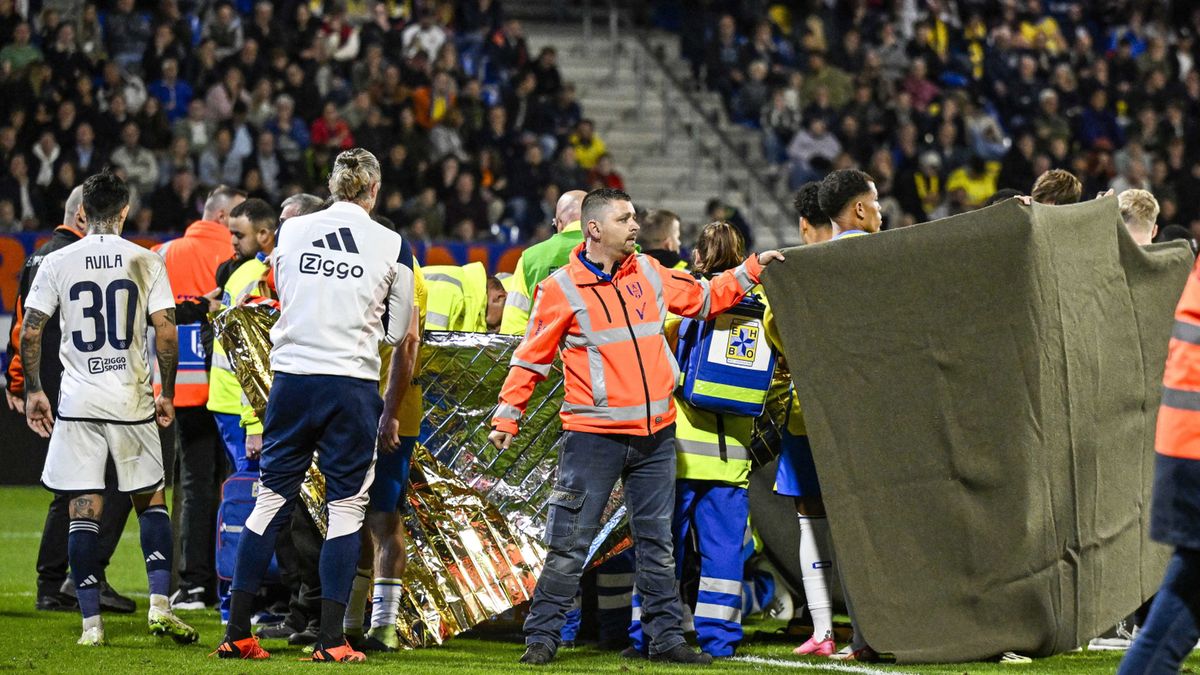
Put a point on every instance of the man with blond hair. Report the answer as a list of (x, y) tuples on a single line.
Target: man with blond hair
[(1139, 210)]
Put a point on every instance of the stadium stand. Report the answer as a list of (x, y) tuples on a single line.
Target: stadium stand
[(945, 102), (477, 133)]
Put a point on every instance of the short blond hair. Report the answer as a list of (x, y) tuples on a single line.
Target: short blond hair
[(354, 171), (1139, 210), (1057, 186)]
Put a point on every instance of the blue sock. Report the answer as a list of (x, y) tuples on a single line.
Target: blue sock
[(156, 547), (253, 558), (339, 563), (82, 541)]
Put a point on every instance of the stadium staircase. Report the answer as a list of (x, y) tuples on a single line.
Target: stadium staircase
[(670, 139)]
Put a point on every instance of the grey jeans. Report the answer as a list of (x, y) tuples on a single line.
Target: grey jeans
[(588, 468)]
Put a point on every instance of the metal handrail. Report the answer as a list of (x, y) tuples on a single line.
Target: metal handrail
[(757, 186)]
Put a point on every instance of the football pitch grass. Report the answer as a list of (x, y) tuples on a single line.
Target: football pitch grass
[(32, 641)]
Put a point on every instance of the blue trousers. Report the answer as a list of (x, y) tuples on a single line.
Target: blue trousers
[(588, 468), (336, 417), (713, 515), (1171, 629), (233, 435)]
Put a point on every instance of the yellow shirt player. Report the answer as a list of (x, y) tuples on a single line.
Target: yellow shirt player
[(383, 551)]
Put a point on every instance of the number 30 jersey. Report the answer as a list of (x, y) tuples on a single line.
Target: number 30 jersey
[(105, 289)]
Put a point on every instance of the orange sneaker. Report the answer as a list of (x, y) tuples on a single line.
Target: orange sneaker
[(342, 653), (247, 648), (813, 647)]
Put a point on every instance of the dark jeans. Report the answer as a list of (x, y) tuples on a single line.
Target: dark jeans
[(52, 553), (588, 468), (202, 466), (1171, 630)]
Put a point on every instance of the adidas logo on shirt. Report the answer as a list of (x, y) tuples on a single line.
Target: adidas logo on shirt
[(342, 240), (315, 263)]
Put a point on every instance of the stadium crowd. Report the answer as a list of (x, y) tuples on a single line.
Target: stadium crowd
[(945, 102), (472, 128)]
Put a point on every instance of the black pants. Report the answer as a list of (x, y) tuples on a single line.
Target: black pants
[(202, 466), (52, 553), (298, 550)]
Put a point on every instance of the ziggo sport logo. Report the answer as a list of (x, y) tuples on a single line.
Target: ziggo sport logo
[(311, 263)]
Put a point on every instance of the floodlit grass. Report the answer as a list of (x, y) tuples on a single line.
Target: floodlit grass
[(45, 641)]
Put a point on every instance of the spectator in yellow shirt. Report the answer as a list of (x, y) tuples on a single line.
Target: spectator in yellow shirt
[(971, 185), (588, 146)]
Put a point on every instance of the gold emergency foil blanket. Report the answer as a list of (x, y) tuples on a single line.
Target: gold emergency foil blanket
[(245, 333), (461, 374), (476, 515), (466, 562)]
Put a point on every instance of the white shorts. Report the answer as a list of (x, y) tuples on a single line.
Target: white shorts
[(79, 451)]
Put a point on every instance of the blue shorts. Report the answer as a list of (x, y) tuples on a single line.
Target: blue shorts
[(797, 474), (335, 416), (391, 476)]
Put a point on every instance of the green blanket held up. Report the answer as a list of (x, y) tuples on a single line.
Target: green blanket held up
[(981, 393)]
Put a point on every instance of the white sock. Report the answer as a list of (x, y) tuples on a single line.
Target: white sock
[(353, 623), (816, 564), (386, 599), (160, 602), (90, 622)]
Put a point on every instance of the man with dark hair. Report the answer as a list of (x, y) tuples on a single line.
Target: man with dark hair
[(850, 199), (602, 313), (55, 590), (659, 238), (252, 226), (815, 226), (1002, 195), (109, 290), (1057, 186)]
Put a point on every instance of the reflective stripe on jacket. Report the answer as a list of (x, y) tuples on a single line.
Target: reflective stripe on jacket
[(192, 262), (1178, 431), (457, 297), (619, 371), (709, 446)]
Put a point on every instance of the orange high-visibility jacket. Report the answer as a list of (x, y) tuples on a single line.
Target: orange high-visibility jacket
[(619, 371), (1178, 431), (192, 262)]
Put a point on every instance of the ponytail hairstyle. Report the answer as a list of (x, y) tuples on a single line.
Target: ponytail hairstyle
[(354, 171), (719, 248)]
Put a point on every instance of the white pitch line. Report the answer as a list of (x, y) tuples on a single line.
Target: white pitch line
[(828, 667)]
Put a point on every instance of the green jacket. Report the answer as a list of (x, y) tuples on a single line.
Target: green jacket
[(535, 264)]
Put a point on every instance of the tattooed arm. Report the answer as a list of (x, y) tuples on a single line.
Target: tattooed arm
[(166, 344), (37, 407)]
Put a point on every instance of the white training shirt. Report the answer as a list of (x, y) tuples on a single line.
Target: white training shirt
[(345, 282), (105, 289)]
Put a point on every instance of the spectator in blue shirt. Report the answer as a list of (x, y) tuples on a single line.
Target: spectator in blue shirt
[(174, 93)]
